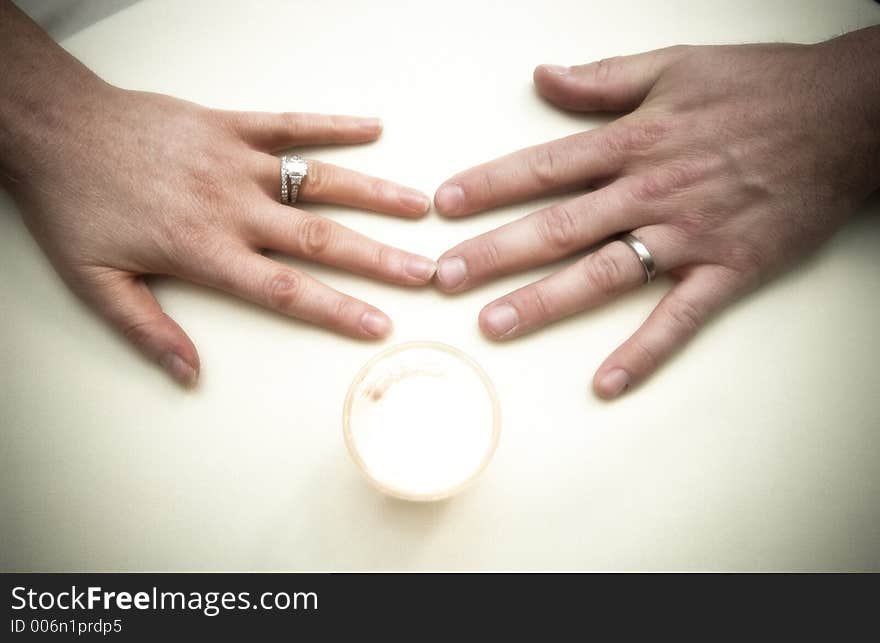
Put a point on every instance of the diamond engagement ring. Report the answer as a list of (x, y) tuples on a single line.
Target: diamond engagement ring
[(293, 170), (643, 254)]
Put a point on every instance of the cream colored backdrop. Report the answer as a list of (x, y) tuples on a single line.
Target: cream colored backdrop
[(758, 448)]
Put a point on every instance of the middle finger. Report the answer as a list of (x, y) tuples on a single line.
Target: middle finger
[(309, 236)]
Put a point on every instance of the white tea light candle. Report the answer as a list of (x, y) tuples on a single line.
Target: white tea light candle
[(421, 420)]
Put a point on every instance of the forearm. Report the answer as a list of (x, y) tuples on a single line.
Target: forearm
[(41, 87)]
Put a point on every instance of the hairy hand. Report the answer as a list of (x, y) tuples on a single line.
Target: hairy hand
[(734, 161)]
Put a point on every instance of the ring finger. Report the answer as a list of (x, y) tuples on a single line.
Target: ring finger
[(591, 281), (326, 183)]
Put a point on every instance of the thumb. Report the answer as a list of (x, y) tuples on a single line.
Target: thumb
[(610, 85), (126, 301)]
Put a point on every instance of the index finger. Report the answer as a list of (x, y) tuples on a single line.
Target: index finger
[(554, 167)]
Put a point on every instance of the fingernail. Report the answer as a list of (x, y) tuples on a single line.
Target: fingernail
[(420, 268), (559, 70), (501, 319), (179, 369), (415, 201), (371, 123), (451, 272), (375, 323), (613, 383), (449, 198)]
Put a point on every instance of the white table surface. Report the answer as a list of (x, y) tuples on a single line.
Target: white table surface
[(757, 448)]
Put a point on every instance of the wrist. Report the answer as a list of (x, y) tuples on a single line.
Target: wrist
[(44, 95), (46, 115)]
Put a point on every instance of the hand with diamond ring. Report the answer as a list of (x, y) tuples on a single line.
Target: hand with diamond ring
[(115, 185), (731, 163)]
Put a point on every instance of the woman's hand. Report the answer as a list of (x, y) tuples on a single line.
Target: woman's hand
[(736, 161), (135, 184), (118, 184)]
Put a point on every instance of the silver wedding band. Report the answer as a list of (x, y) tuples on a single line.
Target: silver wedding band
[(643, 254), (293, 170)]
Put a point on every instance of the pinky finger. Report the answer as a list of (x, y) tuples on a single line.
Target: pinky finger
[(675, 320)]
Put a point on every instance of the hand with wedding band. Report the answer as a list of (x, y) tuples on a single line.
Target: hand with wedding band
[(117, 184), (732, 162)]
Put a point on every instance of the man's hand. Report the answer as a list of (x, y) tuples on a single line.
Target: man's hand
[(735, 161)]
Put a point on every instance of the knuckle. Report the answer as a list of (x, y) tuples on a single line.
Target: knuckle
[(603, 273), (678, 51), (691, 225), (380, 191), (714, 164), (638, 136), (540, 304), (486, 185), (684, 314), (649, 188), (558, 227), (343, 310), (681, 176), (228, 121), (603, 73), (671, 56), (138, 331), (603, 70), (646, 356), (743, 257), (486, 253), (283, 290), (337, 124), (668, 180), (291, 122), (315, 234), (387, 259), (543, 165)]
